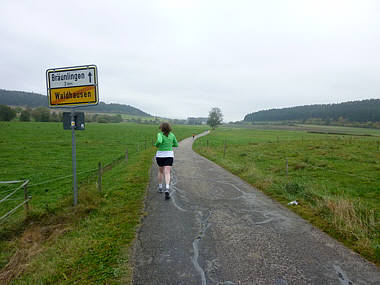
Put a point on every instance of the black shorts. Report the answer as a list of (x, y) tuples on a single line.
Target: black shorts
[(164, 161)]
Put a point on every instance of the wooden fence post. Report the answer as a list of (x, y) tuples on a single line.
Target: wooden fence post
[(26, 197), (100, 177), (286, 167), (224, 152)]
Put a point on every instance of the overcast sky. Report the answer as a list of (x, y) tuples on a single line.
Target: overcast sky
[(179, 59)]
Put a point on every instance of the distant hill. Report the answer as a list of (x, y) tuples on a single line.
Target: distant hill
[(115, 108), (32, 100), (20, 98), (354, 111)]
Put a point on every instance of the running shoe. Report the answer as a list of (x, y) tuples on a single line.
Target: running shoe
[(167, 195)]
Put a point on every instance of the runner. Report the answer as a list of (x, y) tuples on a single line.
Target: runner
[(166, 140)]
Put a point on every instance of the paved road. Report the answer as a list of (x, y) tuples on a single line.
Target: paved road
[(217, 229)]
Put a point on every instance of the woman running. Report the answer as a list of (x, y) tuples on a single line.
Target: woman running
[(166, 140)]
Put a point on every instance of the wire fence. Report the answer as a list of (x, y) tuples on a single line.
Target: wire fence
[(289, 183), (14, 191), (210, 143), (8, 191)]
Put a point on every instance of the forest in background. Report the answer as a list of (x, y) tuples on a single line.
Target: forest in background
[(364, 113)]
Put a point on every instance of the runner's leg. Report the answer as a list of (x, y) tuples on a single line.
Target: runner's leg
[(160, 176), (167, 175)]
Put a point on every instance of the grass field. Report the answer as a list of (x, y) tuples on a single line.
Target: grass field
[(142, 118), (55, 242), (335, 178), (311, 128), (41, 152)]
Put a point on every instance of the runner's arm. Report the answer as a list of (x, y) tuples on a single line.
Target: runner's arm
[(159, 140), (175, 143)]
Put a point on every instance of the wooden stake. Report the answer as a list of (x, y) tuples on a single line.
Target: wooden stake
[(100, 177), (26, 197), (224, 153), (286, 167)]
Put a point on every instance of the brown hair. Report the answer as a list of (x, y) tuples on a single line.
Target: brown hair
[(165, 128)]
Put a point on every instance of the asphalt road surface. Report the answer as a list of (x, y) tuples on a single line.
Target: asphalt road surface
[(217, 229)]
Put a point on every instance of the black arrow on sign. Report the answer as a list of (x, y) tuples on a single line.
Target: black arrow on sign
[(89, 76)]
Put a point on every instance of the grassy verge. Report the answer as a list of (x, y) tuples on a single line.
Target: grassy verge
[(85, 245), (334, 178), (57, 243)]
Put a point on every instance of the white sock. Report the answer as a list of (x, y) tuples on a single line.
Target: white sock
[(160, 186), (167, 186)]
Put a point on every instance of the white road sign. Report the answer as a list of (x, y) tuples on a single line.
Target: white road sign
[(72, 86), (70, 78)]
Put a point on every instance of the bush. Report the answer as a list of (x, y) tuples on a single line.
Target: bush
[(294, 188), (7, 113), (25, 115), (102, 119), (54, 117), (109, 119), (90, 117), (116, 119), (41, 114)]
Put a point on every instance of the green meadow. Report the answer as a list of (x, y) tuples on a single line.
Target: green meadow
[(56, 242), (334, 177), (41, 152)]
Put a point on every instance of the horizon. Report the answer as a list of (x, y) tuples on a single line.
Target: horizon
[(224, 121)]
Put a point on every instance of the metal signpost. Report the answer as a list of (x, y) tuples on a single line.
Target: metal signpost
[(71, 87)]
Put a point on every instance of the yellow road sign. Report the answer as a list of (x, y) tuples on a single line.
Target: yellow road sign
[(73, 95), (72, 86)]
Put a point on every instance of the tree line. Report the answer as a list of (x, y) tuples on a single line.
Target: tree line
[(355, 111), (43, 114)]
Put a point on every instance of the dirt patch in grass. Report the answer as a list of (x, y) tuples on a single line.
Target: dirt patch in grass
[(30, 244), (40, 231), (300, 166)]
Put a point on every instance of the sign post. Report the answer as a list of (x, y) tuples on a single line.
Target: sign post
[(74, 158), (71, 87)]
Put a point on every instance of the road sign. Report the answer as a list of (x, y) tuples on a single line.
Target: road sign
[(72, 86)]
